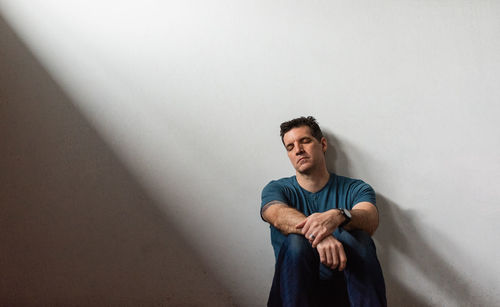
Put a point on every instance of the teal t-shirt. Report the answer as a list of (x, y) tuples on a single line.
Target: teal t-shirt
[(339, 192)]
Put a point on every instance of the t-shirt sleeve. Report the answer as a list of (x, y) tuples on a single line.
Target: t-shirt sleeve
[(363, 192), (272, 192)]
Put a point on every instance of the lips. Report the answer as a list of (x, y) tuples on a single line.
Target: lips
[(301, 159)]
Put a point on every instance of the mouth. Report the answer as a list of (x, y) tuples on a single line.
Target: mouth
[(301, 160)]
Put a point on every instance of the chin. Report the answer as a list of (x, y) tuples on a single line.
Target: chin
[(304, 171)]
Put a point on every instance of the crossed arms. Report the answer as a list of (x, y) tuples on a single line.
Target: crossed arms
[(321, 226)]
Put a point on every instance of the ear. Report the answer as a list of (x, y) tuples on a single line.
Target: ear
[(324, 144)]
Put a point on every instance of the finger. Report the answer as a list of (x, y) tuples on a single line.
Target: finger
[(342, 258), (322, 255), (301, 224), (329, 258), (319, 237), (306, 229), (335, 257)]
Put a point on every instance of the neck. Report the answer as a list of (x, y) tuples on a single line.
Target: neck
[(314, 181)]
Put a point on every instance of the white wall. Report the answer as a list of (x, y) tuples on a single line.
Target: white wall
[(189, 96)]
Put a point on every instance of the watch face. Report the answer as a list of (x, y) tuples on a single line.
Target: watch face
[(348, 214)]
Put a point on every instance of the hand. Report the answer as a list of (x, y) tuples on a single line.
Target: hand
[(332, 254), (318, 226)]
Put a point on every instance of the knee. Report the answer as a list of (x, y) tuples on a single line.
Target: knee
[(296, 246), (358, 242), (363, 238)]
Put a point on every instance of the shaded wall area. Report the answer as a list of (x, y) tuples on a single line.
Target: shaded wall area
[(76, 229), (399, 236)]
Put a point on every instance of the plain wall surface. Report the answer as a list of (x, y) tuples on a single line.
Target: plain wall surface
[(136, 138)]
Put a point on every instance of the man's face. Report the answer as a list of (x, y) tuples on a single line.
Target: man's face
[(304, 150)]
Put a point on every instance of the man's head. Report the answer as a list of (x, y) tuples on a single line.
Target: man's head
[(302, 121), (305, 144)]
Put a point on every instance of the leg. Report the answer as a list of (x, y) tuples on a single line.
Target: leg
[(365, 282), (333, 292), (297, 280), (296, 273)]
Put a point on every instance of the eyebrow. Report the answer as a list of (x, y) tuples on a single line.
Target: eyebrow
[(301, 139)]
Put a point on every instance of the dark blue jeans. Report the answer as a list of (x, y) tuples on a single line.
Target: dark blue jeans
[(301, 280)]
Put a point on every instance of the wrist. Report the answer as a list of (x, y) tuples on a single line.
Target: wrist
[(346, 216)]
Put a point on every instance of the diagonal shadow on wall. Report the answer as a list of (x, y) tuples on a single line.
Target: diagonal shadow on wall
[(76, 229), (399, 233)]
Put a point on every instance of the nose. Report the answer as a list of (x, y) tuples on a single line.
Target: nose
[(299, 148)]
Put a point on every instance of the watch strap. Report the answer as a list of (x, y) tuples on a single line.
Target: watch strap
[(346, 216)]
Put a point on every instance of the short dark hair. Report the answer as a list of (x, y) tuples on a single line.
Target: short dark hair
[(299, 122)]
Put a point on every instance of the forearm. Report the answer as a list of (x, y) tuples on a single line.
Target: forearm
[(283, 218), (364, 217)]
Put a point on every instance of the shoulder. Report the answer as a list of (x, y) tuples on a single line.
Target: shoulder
[(279, 190), (349, 182), (282, 185), (356, 190), (282, 182), (353, 186)]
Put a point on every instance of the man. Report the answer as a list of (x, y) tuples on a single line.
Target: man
[(321, 225)]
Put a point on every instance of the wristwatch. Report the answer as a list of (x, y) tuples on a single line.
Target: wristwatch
[(347, 215)]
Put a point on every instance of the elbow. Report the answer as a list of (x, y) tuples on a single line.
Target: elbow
[(278, 225), (371, 230)]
